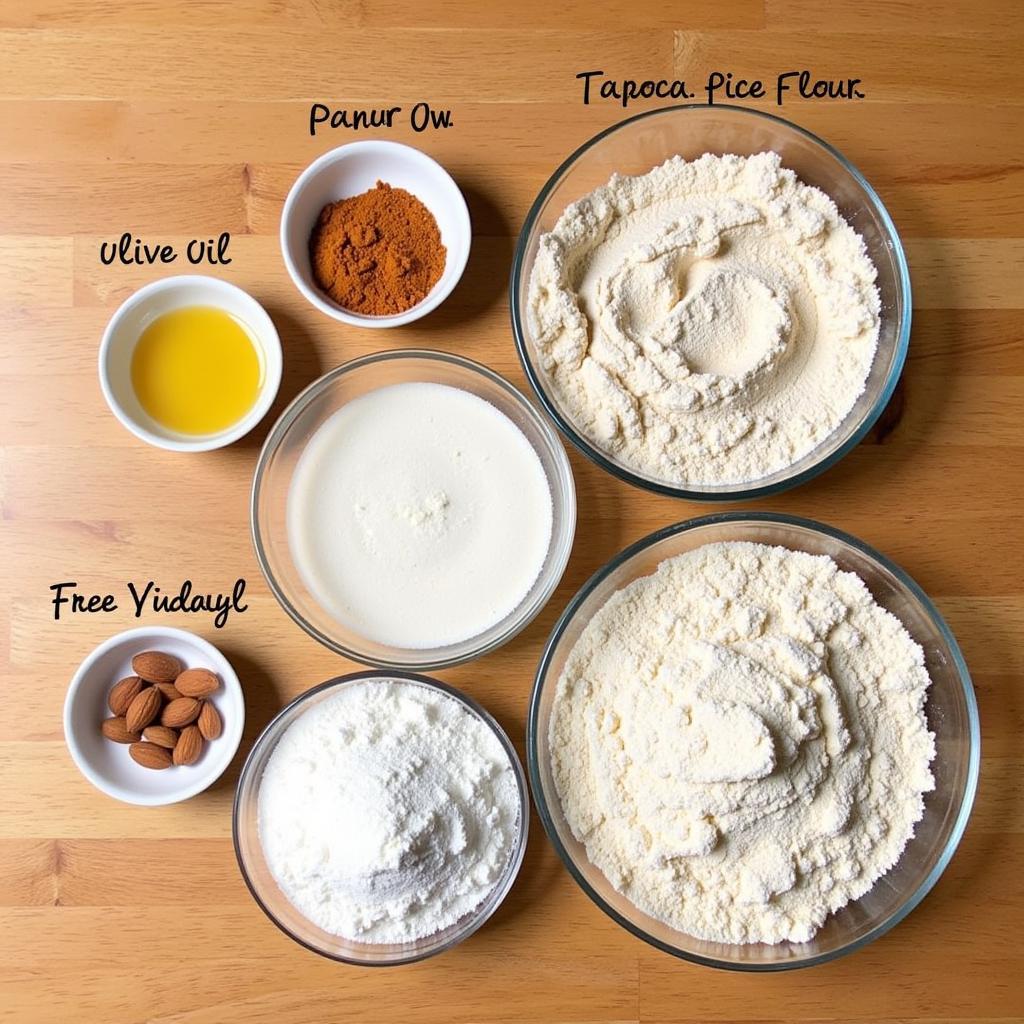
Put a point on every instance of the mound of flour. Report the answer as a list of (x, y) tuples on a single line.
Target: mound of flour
[(387, 812), (708, 322), (739, 741)]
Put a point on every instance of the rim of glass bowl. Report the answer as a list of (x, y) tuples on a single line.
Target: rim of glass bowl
[(974, 756), (743, 492), (515, 861), (559, 559)]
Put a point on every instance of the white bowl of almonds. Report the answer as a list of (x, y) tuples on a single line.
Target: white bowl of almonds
[(154, 715)]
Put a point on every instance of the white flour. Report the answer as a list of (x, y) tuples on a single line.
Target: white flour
[(708, 322), (387, 812), (739, 741)]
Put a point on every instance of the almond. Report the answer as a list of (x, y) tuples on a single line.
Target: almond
[(169, 690), (156, 667), (189, 746), (115, 729), (209, 721), (161, 736), (196, 682), (180, 712), (122, 694), (145, 706), (149, 755)]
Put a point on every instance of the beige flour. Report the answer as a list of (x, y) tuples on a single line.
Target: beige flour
[(739, 741), (708, 322)]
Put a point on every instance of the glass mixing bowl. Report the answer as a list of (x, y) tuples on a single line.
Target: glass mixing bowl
[(307, 413), (639, 143), (952, 716), (273, 902)]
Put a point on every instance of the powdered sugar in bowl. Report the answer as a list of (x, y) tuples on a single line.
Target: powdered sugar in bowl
[(711, 302), (381, 818)]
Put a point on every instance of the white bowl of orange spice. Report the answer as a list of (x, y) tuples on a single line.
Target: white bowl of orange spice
[(154, 715), (375, 233)]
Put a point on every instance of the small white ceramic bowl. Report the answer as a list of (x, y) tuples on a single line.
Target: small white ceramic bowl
[(138, 311), (351, 170), (108, 766)]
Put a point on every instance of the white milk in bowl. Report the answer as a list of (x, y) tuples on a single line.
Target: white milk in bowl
[(419, 515)]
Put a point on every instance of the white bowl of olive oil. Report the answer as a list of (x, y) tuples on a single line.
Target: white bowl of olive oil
[(190, 363)]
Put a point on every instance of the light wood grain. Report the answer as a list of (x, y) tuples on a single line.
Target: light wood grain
[(181, 120)]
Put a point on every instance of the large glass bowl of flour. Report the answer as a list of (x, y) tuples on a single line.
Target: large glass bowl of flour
[(748, 368), (411, 509), (950, 710), (453, 798)]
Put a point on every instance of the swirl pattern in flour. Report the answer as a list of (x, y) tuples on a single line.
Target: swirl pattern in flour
[(708, 322), (739, 741)]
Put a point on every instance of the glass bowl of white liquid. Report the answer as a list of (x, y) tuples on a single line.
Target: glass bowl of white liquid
[(412, 510), (951, 711)]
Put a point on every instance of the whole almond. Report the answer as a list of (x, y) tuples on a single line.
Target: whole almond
[(189, 746), (145, 706), (196, 682), (161, 736), (168, 690), (180, 712), (209, 721), (122, 693), (149, 755), (115, 729), (156, 667)]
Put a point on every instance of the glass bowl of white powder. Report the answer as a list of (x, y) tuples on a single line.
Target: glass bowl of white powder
[(753, 741), (411, 509), (381, 819), (711, 302)]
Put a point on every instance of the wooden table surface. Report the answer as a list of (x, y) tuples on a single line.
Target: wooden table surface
[(175, 121)]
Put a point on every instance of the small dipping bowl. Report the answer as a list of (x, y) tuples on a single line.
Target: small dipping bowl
[(300, 422), (148, 304), (356, 168), (108, 765), (951, 710), (274, 903)]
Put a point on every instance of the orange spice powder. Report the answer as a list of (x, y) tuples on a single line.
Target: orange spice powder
[(378, 253)]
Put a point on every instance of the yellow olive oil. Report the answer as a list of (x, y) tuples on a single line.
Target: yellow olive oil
[(196, 370)]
